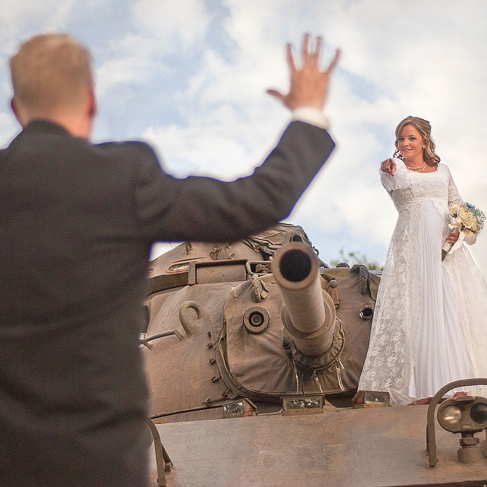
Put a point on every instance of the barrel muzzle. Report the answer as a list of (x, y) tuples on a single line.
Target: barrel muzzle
[(308, 313)]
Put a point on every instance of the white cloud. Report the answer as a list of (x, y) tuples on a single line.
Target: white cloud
[(156, 30), (17, 16), (130, 61), (204, 67), (179, 24)]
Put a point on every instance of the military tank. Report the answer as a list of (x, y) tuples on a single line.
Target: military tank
[(253, 353)]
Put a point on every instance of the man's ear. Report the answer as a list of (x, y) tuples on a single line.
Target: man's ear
[(16, 111), (92, 107)]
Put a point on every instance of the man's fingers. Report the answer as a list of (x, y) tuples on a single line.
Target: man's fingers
[(309, 84), (291, 58), (315, 60), (334, 61), (276, 94), (306, 48), (310, 58)]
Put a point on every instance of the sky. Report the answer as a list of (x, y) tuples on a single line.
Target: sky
[(190, 78)]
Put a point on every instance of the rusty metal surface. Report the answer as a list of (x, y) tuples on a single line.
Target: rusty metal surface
[(180, 373), (341, 448)]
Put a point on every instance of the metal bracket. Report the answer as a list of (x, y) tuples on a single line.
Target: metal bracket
[(163, 461), (430, 425), (144, 341)]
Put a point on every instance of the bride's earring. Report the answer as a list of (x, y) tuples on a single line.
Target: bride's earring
[(424, 147)]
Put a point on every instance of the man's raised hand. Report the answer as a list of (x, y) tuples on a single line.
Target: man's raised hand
[(309, 85)]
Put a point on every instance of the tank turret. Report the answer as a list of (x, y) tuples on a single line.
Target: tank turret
[(224, 325)]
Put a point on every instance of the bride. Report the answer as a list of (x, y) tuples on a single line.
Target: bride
[(429, 324)]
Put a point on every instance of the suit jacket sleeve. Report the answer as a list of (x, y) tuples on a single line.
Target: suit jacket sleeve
[(206, 209)]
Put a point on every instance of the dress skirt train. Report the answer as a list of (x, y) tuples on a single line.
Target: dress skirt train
[(441, 355)]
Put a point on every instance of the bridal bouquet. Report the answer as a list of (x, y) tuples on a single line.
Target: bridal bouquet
[(467, 220)]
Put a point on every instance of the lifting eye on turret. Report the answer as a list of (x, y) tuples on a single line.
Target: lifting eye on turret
[(256, 319)]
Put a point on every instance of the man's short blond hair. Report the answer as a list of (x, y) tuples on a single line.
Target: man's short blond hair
[(51, 73)]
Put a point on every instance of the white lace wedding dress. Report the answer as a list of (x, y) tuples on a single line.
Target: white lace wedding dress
[(430, 319)]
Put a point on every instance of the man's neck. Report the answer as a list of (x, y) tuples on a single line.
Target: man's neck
[(78, 121), (76, 126)]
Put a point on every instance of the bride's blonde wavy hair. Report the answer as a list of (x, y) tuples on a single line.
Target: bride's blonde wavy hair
[(424, 128)]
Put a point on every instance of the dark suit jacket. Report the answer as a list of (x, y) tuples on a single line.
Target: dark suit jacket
[(76, 224)]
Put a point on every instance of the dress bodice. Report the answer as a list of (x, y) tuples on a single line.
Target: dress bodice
[(408, 188), (422, 187)]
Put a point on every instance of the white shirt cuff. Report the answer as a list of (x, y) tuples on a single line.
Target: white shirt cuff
[(313, 116)]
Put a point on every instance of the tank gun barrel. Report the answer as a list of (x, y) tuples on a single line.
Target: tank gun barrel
[(308, 313)]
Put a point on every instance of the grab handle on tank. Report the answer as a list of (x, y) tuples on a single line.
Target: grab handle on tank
[(182, 314)]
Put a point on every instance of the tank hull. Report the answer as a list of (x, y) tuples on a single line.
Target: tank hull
[(340, 448)]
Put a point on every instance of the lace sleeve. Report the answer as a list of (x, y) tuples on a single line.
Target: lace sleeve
[(391, 183), (387, 181), (453, 195)]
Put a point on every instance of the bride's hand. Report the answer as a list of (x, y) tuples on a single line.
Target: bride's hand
[(388, 166), (453, 237)]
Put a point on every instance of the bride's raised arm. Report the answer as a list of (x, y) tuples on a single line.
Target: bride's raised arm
[(392, 174)]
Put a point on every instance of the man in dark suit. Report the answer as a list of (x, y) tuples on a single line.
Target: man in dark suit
[(77, 222)]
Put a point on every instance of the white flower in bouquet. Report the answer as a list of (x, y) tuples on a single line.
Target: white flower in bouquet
[(468, 221), (471, 224)]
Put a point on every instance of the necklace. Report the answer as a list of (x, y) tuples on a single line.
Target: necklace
[(417, 169)]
